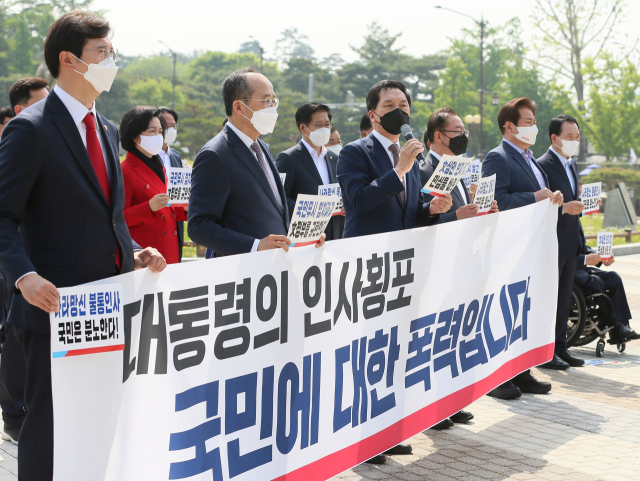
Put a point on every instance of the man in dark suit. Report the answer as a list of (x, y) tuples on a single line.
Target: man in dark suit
[(365, 126), (593, 280), (13, 368), (562, 175), (520, 181), (380, 181), (309, 164), (59, 169), (446, 134), (171, 157), (237, 203)]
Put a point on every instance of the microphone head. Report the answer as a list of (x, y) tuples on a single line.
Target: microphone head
[(405, 129)]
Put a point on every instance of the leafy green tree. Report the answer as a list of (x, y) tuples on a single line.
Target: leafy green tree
[(21, 47), (151, 91), (457, 88)]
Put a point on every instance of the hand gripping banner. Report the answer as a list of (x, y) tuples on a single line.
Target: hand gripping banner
[(300, 365)]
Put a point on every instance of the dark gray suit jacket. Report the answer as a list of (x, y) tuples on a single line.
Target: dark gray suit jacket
[(303, 178), (426, 171), (176, 161)]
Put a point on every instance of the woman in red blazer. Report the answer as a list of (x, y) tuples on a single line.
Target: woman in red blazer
[(151, 222)]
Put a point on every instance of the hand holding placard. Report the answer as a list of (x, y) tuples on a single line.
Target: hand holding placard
[(485, 194), (446, 175), (590, 196), (605, 244), (179, 185), (311, 215)]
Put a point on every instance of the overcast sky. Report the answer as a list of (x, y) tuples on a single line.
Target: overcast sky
[(331, 25)]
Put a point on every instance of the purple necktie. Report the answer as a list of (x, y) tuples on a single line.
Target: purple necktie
[(395, 151)]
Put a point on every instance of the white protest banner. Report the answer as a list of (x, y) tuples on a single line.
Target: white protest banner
[(179, 186), (89, 321), (590, 197), (447, 175), (282, 177), (332, 190), (299, 365), (484, 195), (473, 173), (605, 244), (311, 215)]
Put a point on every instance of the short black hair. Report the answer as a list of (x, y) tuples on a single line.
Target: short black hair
[(134, 122), (437, 120), (334, 129), (20, 92), (236, 87), (70, 33), (306, 111), (6, 113), (373, 97), (365, 122), (555, 126), (167, 110)]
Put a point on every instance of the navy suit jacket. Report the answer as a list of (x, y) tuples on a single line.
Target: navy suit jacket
[(371, 191), (426, 171), (176, 161), (570, 237), (231, 202), (54, 217), (515, 181), (303, 178)]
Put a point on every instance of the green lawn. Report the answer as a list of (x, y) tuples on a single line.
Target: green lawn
[(593, 223)]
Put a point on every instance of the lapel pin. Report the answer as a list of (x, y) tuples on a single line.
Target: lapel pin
[(105, 128)]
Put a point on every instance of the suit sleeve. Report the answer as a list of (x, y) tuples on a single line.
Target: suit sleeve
[(139, 213), (210, 187), (354, 176), (19, 171), (284, 164), (494, 163)]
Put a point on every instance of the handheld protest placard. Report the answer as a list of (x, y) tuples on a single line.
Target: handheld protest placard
[(311, 215), (486, 192), (473, 173), (447, 175), (332, 190), (605, 244), (590, 196), (179, 186)]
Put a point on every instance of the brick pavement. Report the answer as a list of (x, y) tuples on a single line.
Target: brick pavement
[(587, 429)]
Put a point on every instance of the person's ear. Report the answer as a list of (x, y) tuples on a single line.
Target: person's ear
[(372, 117), (17, 109), (137, 140), (67, 60), (237, 107)]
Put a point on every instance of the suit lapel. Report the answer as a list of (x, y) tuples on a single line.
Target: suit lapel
[(517, 156), (308, 162), (68, 129), (147, 174), (112, 155), (332, 164), (557, 163), (383, 161)]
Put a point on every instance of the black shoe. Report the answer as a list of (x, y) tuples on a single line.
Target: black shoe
[(444, 424), (400, 449), (10, 434), (555, 363), (530, 385), (505, 391), (624, 332), (569, 359), (462, 417), (379, 459), (633, 337)]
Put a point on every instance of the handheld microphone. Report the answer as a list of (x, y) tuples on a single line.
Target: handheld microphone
[(408, 135)]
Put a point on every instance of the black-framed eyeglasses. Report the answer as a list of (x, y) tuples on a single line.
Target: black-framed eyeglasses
[(268, 103), (459, 132)]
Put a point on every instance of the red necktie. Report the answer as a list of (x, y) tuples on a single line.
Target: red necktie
[(97, 160)]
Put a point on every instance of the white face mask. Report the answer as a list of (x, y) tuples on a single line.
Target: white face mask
[(320, 137), (569, 147), (100, 75), (263, 120), (151, 143), (335, 149), (170, 135), (527, 134)]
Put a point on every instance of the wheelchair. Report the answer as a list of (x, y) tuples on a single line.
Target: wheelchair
[(591, 316)]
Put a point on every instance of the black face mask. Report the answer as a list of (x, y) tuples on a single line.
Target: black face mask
[(458, 145), (393, 121)]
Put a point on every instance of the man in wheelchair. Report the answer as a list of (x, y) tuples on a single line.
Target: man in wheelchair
[(593, 281)]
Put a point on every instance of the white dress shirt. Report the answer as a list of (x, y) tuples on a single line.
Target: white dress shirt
[(166, 157), (386, 143), (320, 161), (78, 112), (248, 141), (528, 155), (566, 163), (458, 185)]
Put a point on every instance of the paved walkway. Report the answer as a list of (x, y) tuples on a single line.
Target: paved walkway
[(587, 429)]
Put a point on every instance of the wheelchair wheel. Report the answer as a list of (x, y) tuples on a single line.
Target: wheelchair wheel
[(600, 348), (621, 347), (577, 317)]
